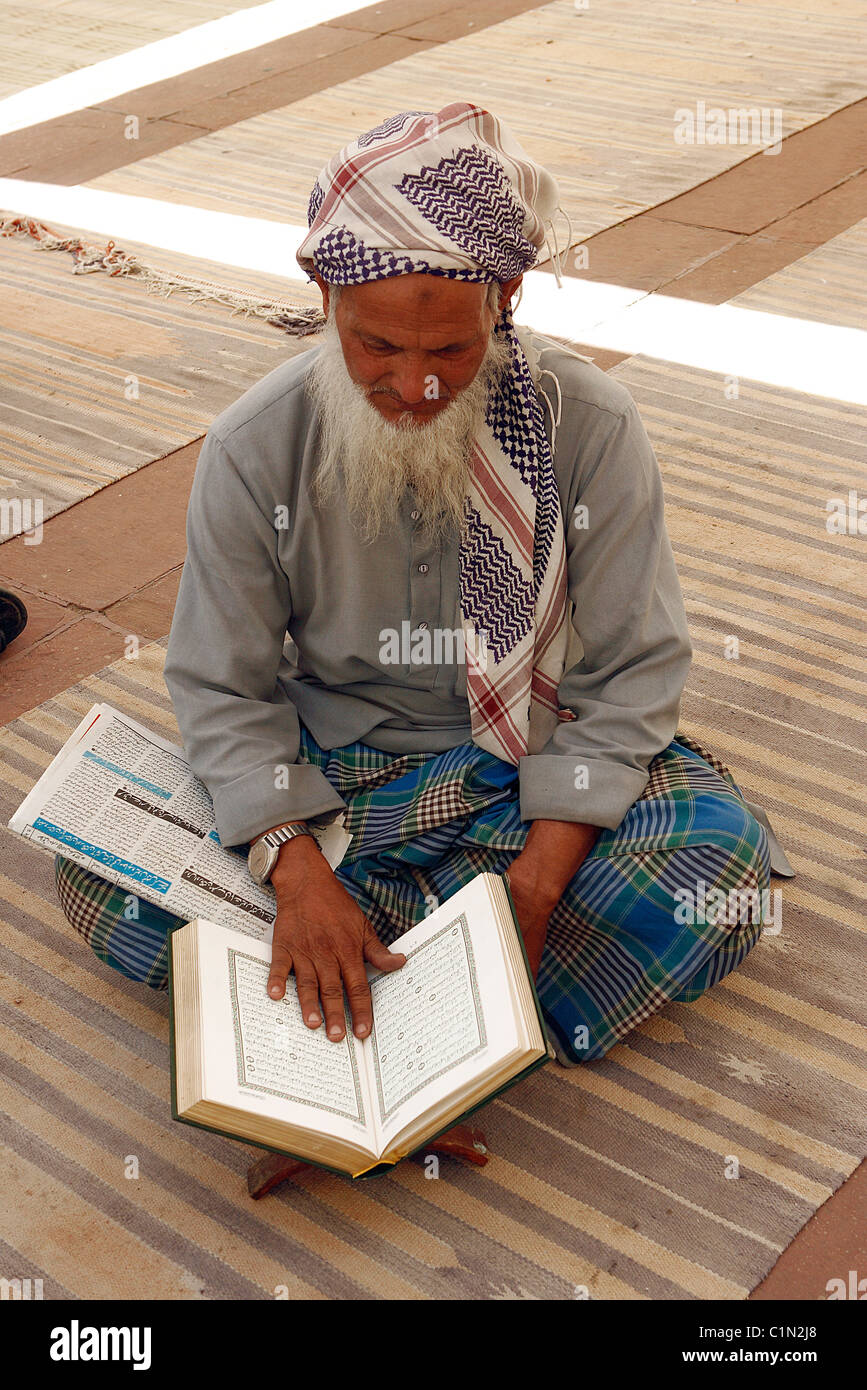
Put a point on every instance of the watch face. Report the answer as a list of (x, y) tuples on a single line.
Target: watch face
[(261, 861)]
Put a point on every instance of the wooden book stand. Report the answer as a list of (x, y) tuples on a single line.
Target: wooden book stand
[(271, 1169)]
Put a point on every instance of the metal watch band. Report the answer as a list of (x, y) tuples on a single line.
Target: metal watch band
[(276, 838)]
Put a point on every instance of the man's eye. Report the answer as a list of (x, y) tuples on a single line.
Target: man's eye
[(386, 348)]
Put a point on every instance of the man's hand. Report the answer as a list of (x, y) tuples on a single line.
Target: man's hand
[(323, 935), (553, 853)]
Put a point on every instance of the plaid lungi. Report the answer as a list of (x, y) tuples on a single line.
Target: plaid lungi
[(424, 824)]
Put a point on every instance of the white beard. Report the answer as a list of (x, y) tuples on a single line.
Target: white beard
[(368, 462)]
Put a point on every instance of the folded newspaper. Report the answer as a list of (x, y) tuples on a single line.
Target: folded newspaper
[(125, 804)]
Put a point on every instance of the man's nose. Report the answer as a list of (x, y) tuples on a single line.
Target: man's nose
[(416, 382)]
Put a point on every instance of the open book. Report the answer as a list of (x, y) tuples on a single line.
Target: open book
[(456, 1024)]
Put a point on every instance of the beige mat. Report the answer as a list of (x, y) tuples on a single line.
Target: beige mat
[(43, 39), (609, 1179), (100, 376), (591, 93), (828, 285)]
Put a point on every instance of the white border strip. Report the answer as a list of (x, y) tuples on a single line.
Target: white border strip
[(819, 359), (169, 57), (249, 243)]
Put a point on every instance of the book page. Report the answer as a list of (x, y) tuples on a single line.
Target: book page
[(278, 1055), (124, 803), (428, 1017), (464, 1033), (260, 1056)]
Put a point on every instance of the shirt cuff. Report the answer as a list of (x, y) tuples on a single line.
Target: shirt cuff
[(252, 804), (590, 791)]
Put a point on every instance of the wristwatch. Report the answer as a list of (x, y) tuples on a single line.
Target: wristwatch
[(263, 854)]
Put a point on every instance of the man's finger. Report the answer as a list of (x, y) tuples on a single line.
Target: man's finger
[(331, 994), (380, 956), (308, 992), (358, 993), (281, 964)]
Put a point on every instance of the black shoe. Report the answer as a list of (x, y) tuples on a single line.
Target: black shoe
[(13, 618)]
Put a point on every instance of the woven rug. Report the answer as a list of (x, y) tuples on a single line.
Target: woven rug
[(100, 376), (828, 285), (44, 39), (606, 1181), (591, 92), (776, 613)]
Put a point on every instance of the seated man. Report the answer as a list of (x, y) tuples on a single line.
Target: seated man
[(488, 639)]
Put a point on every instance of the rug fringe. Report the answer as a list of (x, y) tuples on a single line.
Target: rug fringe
[(289, 318)]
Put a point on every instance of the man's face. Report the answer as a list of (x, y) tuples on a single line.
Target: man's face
[(414, 341), (402, 383)]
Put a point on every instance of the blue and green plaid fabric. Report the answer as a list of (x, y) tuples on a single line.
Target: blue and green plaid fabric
[(423, 825)]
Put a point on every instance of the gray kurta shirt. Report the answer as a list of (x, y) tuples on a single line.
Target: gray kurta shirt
[(266, 569)]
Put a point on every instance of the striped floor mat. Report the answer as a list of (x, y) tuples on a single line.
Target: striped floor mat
[(101, 377), (776, 612), (829, 285), (591, 91), (44, 39), (614, 1180)]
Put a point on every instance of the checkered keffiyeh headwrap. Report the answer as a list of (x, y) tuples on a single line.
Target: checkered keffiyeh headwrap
[(452, 193)]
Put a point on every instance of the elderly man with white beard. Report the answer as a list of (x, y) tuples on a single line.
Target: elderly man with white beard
[(430, 470)]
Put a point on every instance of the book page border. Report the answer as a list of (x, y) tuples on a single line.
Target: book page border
[(270, 1090), (461, 922)]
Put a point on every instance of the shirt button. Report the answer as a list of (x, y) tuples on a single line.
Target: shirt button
[(423, 569), (415, 515)]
